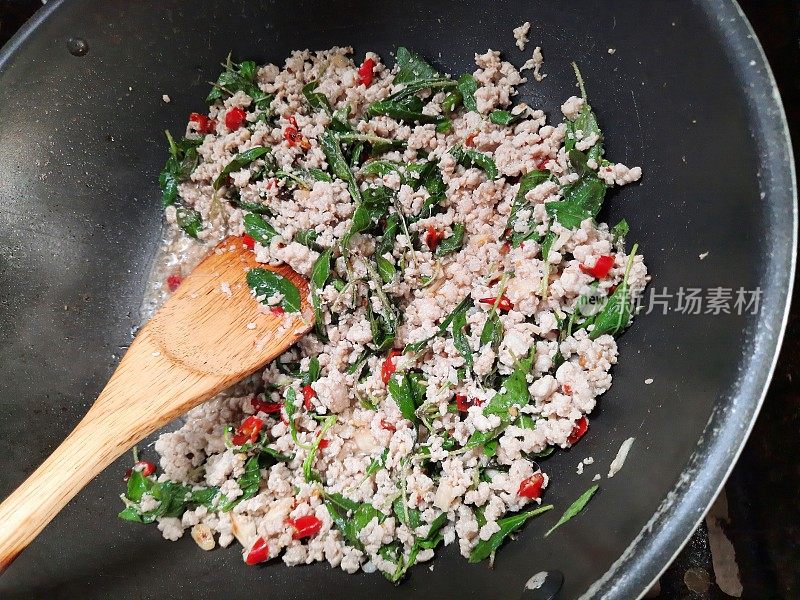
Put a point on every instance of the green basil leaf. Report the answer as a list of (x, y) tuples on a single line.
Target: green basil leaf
[(239, 162), (460, 338), (452, 243), (504, 117), (189, 220), (617, 312), (468, 86), (574, 508), (620, 230), (386, 269), (442, 330), (257, 228), (508, 525), (514, 391), (403, 394), (316, 100), (468, 158), (412, 67), (267, 283)]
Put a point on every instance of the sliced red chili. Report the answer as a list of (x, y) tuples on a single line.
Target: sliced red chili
[(433, 237), (308, 395), (323, 443), (387, 426), (578, 430), (470, 140), (259, 552), (503, 304), (601, 267), (366, 72), (144, 467), (234, 118), (305, 527), (261, 405), (173, 281), (540, 165), (505, 249), (277, 311), (290, 134), (248, 431), (248, 241), (567, 389), (531, 487), (388, 368), (204, 123)]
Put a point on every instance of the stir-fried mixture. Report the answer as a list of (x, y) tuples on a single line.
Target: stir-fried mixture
[(465, 304)]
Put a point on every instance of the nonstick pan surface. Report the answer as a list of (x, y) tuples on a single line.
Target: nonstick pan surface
[(687, 95)]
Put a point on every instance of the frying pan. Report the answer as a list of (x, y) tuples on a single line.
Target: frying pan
[(687, 95)]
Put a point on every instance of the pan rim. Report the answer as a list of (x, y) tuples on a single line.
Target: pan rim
[(690, 499), (687, 503)]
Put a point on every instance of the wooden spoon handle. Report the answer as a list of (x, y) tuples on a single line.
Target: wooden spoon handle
[(115, 422)]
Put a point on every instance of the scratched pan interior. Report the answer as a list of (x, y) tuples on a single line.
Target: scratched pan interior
[(687, 95)]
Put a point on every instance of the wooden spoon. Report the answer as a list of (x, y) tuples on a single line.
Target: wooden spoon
[(207, 336)]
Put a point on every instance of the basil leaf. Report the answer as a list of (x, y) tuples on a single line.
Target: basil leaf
[(239, 77), (472, 158), (319, 276), (374, 205), (617, 312), (620, 230), (379, 167), (412, 67), (403, 394), (451, 102), (504, 117), (257, 228), (514, 391), (400, 112), (189, 220), (580, 200), (574, 508), (461, 306), (468, 86), (386, 269), (248, 482), (239, 162), (508, 525), (376, 464), (138, 484), (460, 339), (308, 473), (316, 100), (586, 123), (390, 231), (451, 243), (267, 283), (313, 372), (492, 332), (308, 238), (410, 517), (183, 159)]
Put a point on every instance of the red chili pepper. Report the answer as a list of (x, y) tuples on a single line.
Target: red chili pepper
[(259, 552), (290, 135), (387, 426), (433, 237), (323, 443), (248, 241), (248, 431), (144, 467), (532, 486), (567, 389), (365, 72), (463, 403), (505, 249), (388, 367), (277, 311), (470, 140), (269, 408), (204, 124), (306, 526), (173, 281), (308, 395), (503, 304), (540, 165), (581, 425), (234, 118), (600, 268)]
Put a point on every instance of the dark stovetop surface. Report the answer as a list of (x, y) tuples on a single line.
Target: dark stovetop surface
[(749, 545)]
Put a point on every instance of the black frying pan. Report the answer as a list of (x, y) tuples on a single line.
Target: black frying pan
[(687, 95)]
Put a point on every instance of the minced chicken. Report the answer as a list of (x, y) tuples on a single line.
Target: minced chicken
[(462, 286)]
